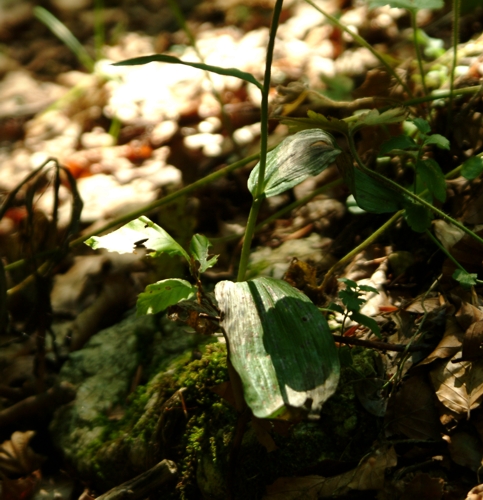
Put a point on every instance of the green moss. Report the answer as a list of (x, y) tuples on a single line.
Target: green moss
[(200, 443)]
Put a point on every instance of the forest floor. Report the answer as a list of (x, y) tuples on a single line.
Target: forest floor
[(129, 136)]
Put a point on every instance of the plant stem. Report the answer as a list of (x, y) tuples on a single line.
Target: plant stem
[(166, 200), (362, 42), (418, 49), (456, 36), (359, 248), (259, 196), (443, 249)]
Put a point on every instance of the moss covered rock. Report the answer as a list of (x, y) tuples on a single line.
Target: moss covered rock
[(177, 415)]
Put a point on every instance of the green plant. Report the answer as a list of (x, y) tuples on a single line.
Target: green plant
[(352, 298), (262, 317)]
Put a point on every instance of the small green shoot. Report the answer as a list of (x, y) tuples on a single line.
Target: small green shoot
[(353, 300)]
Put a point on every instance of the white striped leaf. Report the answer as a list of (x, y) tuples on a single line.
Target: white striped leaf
[(280, 345), (297, 157)]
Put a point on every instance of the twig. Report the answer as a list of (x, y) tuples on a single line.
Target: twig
[(144, 484), (382, 346), (34, 407)]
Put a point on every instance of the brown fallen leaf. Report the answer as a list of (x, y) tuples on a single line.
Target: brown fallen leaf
[(467, 315), (411, 411), (424, 486), (465, 449), (368, 475), (473, 342), (450, 344), (459, 386), (16, 456), (475, 493)]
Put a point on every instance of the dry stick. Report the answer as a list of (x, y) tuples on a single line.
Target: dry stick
[(143, 485), (381, 346), (35, 406)]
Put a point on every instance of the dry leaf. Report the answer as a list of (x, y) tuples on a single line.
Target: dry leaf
[(467, 315), (412, 411), (475, 493), (262, 428), (450, 344), (368, 475), (422, 306), (16, 456), (473, 342), (459, 386), (424, 486), (465, 449)]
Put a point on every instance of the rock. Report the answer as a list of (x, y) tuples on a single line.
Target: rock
[(102, 373), (177, 416)]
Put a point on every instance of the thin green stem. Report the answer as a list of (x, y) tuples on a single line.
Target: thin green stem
[(418, 50), (448, 254), (167, 199), (394, 186), (283, 211), (258, 196), (362, 42), (456, 36), (359, 248), (439, 94)]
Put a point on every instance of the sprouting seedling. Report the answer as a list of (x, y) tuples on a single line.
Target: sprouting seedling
[(352, 296)]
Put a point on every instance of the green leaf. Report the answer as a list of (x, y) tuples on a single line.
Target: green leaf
[(335, 308), (159, 296), (399, 142), (137, 61), (297, 157), (199, 249), (373, 117), (364, 320), (418, 217), (439, 140), (139, 233), (408, 4), (472, 168), (367, 288), (351, 299), (280, 345), (348, 283), (432, 176), (369, 194), (422, 125), (464, 278)]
